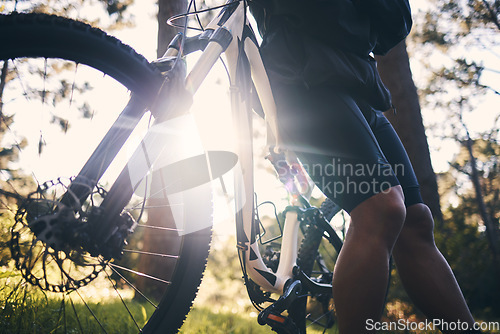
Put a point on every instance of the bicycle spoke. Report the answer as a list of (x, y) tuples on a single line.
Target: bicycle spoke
[(151, 253), (90, 310), (10, 195), (138, 273), (62, 314), (73, 85), (123, 302), (21, 81), (76, 315), (134, 287), (316, 321), (160, 228)]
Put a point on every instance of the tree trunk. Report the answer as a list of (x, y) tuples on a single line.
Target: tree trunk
[(167, 9), (3, 81), (394, 68), (160, 237), (491, 228)]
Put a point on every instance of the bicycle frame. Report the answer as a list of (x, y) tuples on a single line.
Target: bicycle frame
[(242, 54), (95, 220), (230, 34)]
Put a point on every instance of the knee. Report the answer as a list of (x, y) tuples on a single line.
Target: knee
[(419, 221), (390, 209), (394, 209), (392, 215), (381, 217), (418, 229)]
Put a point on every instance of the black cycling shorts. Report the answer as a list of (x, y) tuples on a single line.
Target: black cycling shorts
[(350, 150)]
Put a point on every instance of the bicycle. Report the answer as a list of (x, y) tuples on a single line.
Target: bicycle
[(69, 233)]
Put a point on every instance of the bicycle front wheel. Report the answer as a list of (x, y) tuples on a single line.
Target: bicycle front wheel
[(63, 84)]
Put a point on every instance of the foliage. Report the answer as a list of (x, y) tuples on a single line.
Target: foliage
[(458, 48), (452, 28), (457, 42), (465, 240), (107, 14), (486, 152), (466, 248)]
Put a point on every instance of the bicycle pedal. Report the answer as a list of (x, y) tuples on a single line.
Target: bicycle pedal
[(278, 323)]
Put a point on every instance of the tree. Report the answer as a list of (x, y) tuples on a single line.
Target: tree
[(167, 9), (465, 37), (454, 44), (451, 42), (481, 191), (163, 240), (394, 68), (468, 245)]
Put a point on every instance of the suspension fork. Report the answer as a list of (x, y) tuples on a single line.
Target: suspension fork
[(105, 153)]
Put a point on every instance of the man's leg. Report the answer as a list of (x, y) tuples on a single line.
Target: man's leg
[(425, 273), (362, 269)]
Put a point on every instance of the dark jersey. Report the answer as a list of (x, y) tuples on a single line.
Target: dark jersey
[(336, 23), (329, 42), (328, 95), (357, 26)]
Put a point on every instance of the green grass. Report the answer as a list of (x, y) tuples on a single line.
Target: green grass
[(222, 306), (203, 320), (25, 311)]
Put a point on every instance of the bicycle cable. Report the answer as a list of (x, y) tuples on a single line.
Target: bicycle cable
[(171, 20)]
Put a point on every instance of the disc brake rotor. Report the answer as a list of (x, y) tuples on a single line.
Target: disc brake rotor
[(44, 239)]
